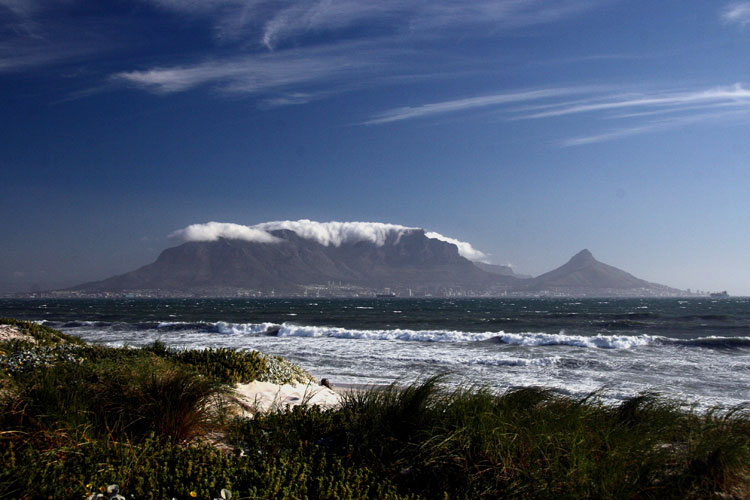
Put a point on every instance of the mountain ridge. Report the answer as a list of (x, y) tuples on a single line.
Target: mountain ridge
[(407, 263)]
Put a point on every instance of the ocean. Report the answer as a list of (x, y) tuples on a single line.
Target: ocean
[(694, 350)]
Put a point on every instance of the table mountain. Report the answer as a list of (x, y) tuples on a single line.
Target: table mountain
[(405, 260)]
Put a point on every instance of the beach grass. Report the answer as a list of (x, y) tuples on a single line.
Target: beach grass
[(525, 443), (158, 423)]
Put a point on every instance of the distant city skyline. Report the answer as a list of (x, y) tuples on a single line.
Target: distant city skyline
[(526, 130)]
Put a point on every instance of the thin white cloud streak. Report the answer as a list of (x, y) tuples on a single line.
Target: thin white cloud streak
[(610, 136), (717, 95), (326, 15), (458, 105), (252, 74), (680, 109), (655, 126), (25, 8), (291, 99), (595, 95), (20, 55), (332, 233), (736, 13)]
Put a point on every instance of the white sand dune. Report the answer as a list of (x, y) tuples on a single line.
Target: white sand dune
[(261, 397), (8, 332)]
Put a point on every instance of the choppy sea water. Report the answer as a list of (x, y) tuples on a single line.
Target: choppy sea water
[(695, 350)]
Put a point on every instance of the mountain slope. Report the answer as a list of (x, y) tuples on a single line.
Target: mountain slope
[(584, 274)]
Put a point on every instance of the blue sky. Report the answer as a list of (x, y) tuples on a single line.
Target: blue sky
[(529, 128)]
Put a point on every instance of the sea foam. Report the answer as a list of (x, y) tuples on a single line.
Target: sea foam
[(521, 339)]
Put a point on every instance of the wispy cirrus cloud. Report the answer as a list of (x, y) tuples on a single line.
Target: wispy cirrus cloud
[(657, 112), (273, 22), (36, 33), (656, 126), (467, 104), (291, 51), (640, 112), (253, 74), (24, 8), (719, 96), (736, 13), (294, 58)]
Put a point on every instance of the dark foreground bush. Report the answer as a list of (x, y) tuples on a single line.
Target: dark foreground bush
[(154, 469)]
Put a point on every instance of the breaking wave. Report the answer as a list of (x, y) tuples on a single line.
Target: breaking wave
[(522, 339), (597, 341), (528, 339)]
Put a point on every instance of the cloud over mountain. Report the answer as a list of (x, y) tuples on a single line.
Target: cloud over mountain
[(464, 249), (212, 231), (326, 233)]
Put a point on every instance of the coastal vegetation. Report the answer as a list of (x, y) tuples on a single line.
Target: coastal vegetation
[(160, 423)]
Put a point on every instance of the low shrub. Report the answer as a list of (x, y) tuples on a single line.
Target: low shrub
[(43, 335), (234, 366)]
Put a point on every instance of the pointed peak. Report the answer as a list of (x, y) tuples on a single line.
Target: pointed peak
[(583, 257)]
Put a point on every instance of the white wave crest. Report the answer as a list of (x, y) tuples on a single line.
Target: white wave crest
[(541, 362), (288, 330), (244, 328), (597, 341)]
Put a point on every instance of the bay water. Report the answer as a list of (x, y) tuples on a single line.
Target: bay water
[(695, 350)]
